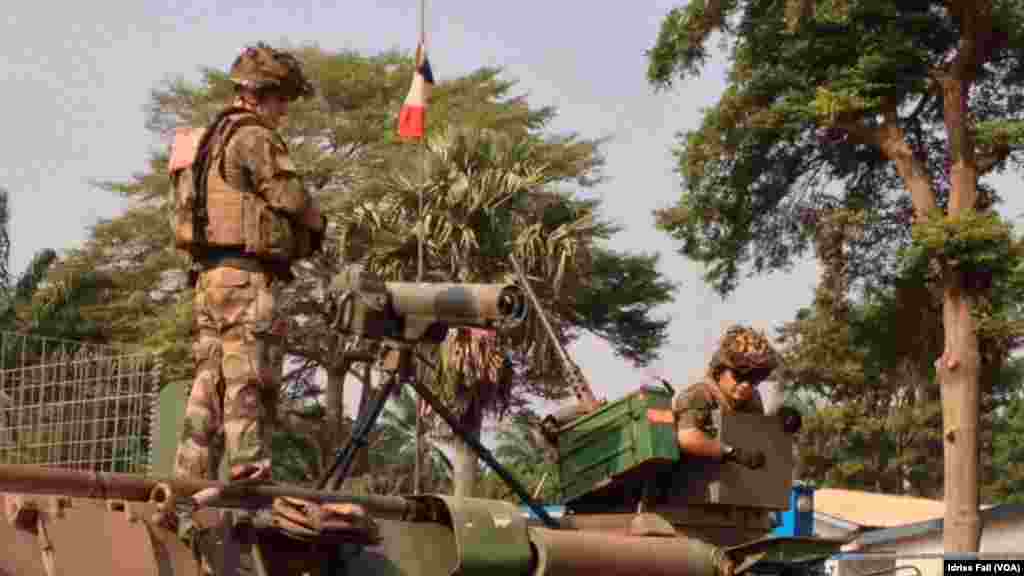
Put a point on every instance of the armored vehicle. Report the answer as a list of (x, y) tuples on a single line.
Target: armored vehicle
[(628, 493)]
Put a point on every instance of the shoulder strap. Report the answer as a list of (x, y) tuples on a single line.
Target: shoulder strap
[(246, 119), (201, 166)]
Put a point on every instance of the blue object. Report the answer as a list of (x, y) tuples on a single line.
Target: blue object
[(553, 511), (799, 519)]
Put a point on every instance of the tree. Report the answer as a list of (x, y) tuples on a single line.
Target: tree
[(867, 360), (39, 303), (872, 403), (894, 110), (344, 146), (1007, 481), (487, 194), (394, 453), (522, 450)]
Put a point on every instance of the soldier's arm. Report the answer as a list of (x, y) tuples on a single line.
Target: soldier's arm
[(693, 420), (274, 176)]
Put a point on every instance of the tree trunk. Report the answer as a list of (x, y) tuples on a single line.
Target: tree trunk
[(961, 396), (959, 367), (465, 475), (336, 429)]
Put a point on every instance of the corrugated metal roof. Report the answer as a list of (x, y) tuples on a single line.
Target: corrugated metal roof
[(998, 513), (870, 509)]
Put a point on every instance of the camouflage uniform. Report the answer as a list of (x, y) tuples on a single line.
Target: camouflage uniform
[(256, 217), (741, 349), (243, 215), (744, 350), (238, 363)]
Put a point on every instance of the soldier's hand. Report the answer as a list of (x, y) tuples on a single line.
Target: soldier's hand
[(792, 420), (752, 459)]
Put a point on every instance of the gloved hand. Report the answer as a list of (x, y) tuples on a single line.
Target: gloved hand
[(752, 459), (792, 420), (336, 522)]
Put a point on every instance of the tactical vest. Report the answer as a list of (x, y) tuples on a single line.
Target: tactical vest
[(211, 214)]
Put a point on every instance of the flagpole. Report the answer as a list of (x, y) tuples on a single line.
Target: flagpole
[(423, 173), (418, 464)]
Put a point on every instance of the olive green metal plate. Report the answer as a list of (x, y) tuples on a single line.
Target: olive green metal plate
[(408, 549), (491, 537), (611, 443)]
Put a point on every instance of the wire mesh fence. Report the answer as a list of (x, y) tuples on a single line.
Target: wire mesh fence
[(76, 405)]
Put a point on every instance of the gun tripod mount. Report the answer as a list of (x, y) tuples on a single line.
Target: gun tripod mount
[(405, 374)]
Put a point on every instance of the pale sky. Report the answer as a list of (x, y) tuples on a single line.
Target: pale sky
[(80, 74)]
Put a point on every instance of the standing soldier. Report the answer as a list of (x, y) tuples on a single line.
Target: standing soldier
[(251, 219), (243, 215)]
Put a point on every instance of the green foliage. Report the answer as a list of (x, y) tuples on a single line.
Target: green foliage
[(392, 457), (815, 90), (830, 105), (972, 242), (296, 455), (130, 456), (836, 111), (864, 372), (619, 302), (1008, 455), (527, 457), (872, 412), (495, 181)]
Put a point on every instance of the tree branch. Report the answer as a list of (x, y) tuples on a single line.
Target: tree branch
[(861, 133), (988, 161), (891, 140), (925, 99), (975, 31)]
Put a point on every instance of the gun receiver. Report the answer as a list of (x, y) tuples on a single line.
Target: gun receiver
[(366, 305)]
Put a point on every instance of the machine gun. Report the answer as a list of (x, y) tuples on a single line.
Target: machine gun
[(407, 312), (99, 519), (400, 315), (586, 402)]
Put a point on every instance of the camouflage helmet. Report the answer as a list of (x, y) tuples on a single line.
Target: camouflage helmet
[(261, 66), (746, 350)]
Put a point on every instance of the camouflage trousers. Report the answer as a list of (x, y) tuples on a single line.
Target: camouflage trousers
[(238, 358)]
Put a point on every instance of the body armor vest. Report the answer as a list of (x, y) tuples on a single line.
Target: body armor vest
[(213, 215)]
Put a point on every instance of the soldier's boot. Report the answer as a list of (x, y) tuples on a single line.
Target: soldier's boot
[(200, 531), (210, 550)]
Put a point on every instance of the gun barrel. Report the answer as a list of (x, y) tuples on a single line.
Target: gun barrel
[(573, 552), (468, 303), (113, 486), (577, 381)]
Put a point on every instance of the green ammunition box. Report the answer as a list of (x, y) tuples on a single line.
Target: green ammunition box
[(619, 441)]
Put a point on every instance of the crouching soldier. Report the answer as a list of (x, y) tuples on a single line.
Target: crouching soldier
[(744, 359)]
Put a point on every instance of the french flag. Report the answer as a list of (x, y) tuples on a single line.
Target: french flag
[(413, 116)]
